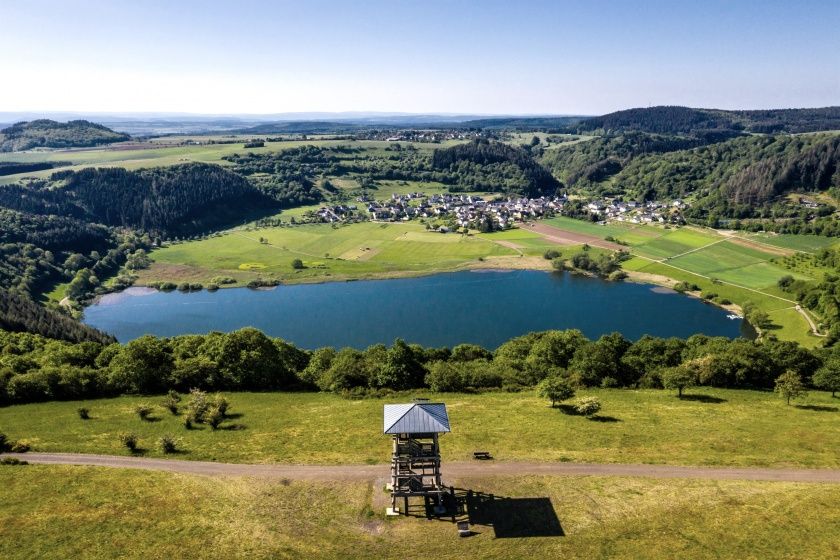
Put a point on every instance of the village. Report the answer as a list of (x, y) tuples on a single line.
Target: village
[(497, 213)]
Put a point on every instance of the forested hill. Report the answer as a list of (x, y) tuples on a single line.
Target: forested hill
[(173, 200), (685, 120), (45, 133), (20, 314), (739, 178), (483, 165)]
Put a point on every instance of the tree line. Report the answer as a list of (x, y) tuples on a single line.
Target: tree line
[(36, 368)]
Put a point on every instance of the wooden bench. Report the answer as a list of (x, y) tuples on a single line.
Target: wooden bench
[(482, 455)]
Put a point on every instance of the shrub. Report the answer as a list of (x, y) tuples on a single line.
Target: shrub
[(197, 406), (184, 287), (129, 440), (12, 461), (551, 254), (20, 446), (84, 413), (221, 403), (214, 417), (143, 410), (167, 286), (297, 264), (609, 382), (588, 406), (724, 301), (212, 287), (617, 275), (171, 400), (168, 444)]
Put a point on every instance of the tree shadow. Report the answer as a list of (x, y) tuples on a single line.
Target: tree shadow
[(599, 418), (233, 427), (508, 517), (567, 409), (816, 407), (152, 419), (234, 416), (703, 398)]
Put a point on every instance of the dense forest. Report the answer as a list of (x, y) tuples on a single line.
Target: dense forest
[(685, 120), (176, 200), (590, 163), (742, 178), (45, 133), (35, 368), (493, 166), (20, 314)]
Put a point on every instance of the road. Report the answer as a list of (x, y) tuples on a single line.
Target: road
[(454, 469)]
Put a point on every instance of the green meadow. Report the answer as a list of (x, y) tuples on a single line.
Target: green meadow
[(89, 512), (364, 250), (707, 427)]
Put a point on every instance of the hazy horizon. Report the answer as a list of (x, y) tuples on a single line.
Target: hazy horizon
[(419, 58)]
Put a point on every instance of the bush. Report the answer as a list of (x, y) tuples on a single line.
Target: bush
[(551, 254), (197, 406), (617, 275), (12, 461), (129, 440), (20, 446), (588, 406), (84, 413), (221, 403), (214, 417), (170, 402), (609, 382), (168, 444), (143, 410), (297, 264)]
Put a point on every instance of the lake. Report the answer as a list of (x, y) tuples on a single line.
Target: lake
[(481, 307)]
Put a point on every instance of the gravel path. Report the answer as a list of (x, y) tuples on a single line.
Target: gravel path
[(454, 469)]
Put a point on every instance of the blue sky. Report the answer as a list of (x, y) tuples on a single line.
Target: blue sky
[(457, 56)]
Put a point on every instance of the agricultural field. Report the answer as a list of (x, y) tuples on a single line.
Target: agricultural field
[(707, 427), (739, 268), (91, 512)]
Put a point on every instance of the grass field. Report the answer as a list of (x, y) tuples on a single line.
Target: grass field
[(88, 512), (354, 251), (715, 427)]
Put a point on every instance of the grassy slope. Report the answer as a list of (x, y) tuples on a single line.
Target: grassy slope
[(85, 512), (650, 426)]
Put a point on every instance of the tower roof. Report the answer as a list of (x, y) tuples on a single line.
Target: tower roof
[(416, 418)]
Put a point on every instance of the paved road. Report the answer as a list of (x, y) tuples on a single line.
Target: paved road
[(454, 469)]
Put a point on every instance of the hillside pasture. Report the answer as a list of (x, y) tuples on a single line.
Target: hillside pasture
[(89, 512), (708, 427)]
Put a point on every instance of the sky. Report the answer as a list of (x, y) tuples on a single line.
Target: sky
[(430, 56)]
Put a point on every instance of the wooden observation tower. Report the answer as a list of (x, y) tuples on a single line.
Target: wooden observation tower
[(415, 461)]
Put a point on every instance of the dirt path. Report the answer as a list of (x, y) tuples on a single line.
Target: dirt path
[(455, 469)]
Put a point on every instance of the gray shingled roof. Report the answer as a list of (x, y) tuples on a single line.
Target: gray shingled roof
[(416, 418)]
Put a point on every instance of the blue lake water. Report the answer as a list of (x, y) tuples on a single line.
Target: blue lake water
[(485, 308)]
